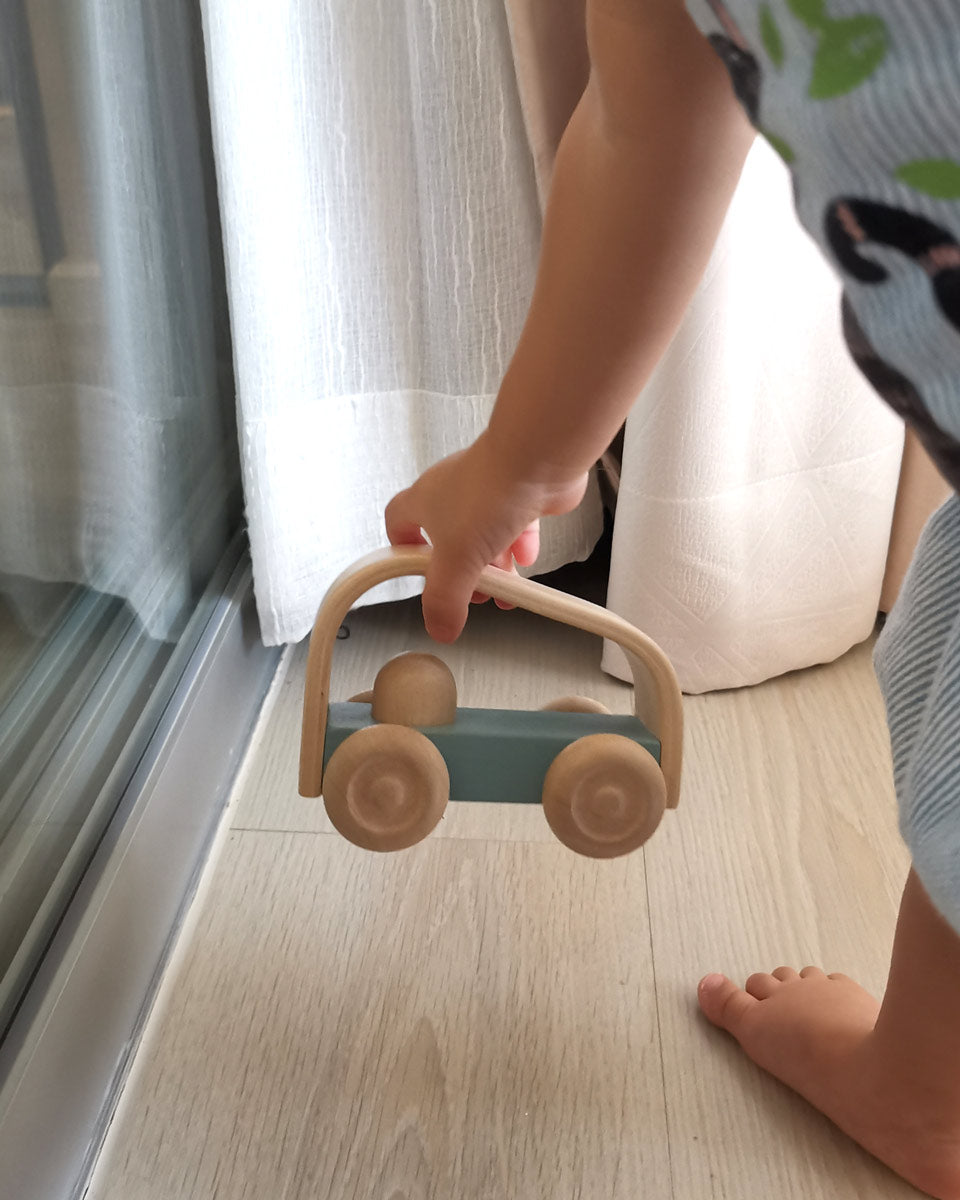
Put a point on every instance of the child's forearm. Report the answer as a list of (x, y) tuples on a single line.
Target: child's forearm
[(643, 179)]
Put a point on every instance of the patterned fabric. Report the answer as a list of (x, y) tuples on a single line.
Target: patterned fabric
[(862, 100)]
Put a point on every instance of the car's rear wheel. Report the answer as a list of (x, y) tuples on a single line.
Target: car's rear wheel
[(581, 704), (386, 787), (604, 795)]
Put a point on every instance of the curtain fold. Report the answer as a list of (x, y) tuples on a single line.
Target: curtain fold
[(381, 228), (549, 45), (760, 468)]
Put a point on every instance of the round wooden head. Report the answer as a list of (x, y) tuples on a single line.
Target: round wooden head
[(415, 689)]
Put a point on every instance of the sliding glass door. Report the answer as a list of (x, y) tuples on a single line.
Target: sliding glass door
[(119, 491)]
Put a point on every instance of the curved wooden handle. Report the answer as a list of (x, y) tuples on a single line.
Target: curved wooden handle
[(657, 698)]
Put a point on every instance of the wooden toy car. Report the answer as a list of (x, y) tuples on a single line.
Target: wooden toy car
[(386, 762)]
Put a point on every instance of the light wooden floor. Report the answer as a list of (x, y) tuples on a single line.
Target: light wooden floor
[(488, 1015)]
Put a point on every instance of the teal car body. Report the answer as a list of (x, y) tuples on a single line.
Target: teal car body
[(497, 754)]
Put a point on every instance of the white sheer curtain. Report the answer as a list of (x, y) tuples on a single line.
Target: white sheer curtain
[(760, 469), (379, 167), (381, 228)]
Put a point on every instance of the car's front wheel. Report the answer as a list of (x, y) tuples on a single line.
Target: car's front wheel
[(386, 787)]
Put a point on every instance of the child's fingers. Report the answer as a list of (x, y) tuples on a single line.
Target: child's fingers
[(402, 527), (527, 546), (452, 576), (524, 551), (505, 562), (446, 595)]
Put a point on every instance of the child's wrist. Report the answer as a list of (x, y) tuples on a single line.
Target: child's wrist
[(522, 466)]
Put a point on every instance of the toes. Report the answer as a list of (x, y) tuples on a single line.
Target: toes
[(723, 1003), (762, 985), (726, 1005)]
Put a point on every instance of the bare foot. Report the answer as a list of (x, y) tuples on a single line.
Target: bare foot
[(819, 1035)]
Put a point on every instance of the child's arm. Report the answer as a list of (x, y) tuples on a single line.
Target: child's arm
[(643, 177)]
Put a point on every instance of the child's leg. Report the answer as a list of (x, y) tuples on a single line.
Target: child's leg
[(888, 1075)]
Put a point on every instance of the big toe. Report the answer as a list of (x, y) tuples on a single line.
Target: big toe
[(723, 1003)]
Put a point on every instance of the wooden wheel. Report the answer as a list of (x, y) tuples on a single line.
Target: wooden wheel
[(576, 704), (604, 795), (386, 787)]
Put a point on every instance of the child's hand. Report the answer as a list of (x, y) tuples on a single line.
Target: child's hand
[(476, 509)]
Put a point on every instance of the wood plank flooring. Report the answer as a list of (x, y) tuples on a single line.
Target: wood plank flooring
[(488, 1015)]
